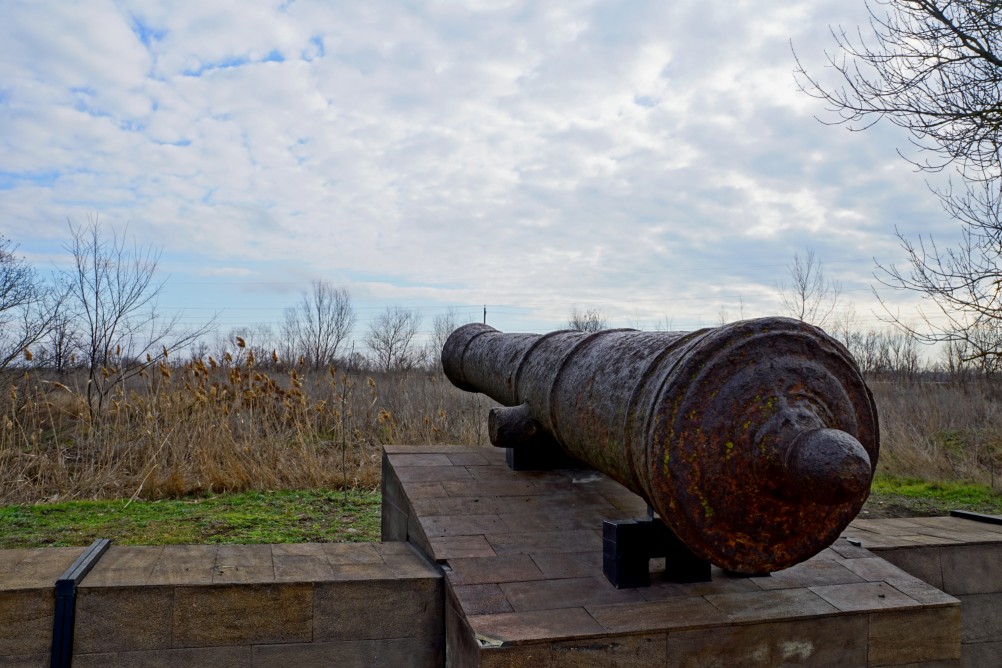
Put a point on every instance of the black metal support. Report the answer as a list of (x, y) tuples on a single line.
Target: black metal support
[(629, 545), (977, 517), (545, 458), (66, 598)]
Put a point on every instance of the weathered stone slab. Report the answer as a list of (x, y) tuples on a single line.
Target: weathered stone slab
[(216, 657), (900, 638), (416, 652), (121, 619), (830, 641), (357, 610), (242, 614), (26, 620)]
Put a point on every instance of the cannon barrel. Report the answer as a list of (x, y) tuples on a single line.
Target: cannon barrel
[(755, 441)]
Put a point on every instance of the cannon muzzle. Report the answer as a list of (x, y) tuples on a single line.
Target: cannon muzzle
[(756, 442)]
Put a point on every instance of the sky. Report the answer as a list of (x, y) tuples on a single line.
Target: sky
[(651, 160)]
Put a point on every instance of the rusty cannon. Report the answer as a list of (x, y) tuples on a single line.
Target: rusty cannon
[(755, 442)]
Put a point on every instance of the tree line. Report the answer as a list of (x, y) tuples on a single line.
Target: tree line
[(101, 316)]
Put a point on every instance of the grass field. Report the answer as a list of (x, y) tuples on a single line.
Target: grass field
[(223, 451)]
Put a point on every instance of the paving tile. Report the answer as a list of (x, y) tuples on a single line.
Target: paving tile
[(124, 566), (515, 487), (302, 567), (961, 525), (501, 473), (843, 548), (387, 548), (243, 563), (121, 619), (568, 564), (301, 549), (552, 520), (766, 605), (440, 474), (864, 596), (422, 490), (535, 625), (481, 599), (830, 641), (565, 593), (482, 570), (40, 567), (184, 564), (470, 459), (539, 542), (242, 614), (922, 592), (401, 461), (721, 583), (893, 638), (352, 553), (809, 573), (9, 559), (363, 571), (423, 449), (461, 525), (676, 612), (450, 547), (459, 505)]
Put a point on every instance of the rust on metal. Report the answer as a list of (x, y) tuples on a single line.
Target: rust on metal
[(756, 442)]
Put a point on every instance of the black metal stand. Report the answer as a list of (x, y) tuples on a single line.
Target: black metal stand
[(542, 457), (629, 545)]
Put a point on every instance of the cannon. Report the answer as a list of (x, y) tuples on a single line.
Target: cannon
[(754, 442)]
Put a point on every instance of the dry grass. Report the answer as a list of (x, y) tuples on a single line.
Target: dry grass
[(231, 426), (212, 428), (938, 431)]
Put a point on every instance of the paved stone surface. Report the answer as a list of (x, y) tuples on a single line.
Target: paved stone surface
[(522, 556)]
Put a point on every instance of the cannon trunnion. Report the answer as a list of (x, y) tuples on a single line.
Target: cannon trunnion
[(755, 442)]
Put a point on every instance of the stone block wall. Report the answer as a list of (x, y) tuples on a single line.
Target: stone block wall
[(358, 604)]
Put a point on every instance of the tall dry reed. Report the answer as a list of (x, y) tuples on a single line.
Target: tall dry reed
[(230, 425), (226, 426)]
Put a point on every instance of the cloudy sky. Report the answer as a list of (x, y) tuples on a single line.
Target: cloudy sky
[(653, 160)]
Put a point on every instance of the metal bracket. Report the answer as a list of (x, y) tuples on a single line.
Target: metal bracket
[(66, 598), (977, 517)]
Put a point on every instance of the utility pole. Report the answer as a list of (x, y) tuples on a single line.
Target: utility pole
[(485, 314)]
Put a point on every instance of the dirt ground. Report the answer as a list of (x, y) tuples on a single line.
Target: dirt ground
[(881, 506)]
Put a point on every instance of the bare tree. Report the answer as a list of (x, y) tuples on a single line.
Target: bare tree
[(115, 293), (591, 320), (808, 295), (934, 68), (320, 323), (442, 326), (390, 339), (28, 307)]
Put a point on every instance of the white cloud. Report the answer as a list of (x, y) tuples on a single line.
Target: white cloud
[(637, 156)]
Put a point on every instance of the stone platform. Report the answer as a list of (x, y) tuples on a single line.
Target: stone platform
[(521, 554), (229, 606)]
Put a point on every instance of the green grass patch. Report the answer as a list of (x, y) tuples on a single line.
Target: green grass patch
[(324, 516), (924, 497)]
